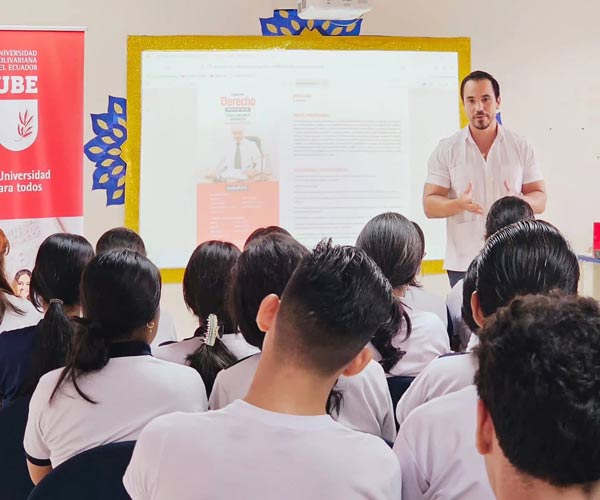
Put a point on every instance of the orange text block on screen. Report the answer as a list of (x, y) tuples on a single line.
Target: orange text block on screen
[(231, 211)]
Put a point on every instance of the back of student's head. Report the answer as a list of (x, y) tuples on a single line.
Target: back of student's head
[(264, 267), (415, 282), (121, 237), (539, 378), (507, 211), (397, 247), (55, 280), (120, 296), (265, 231), (527, 257), (5, 288), (336, 301), (205, 287)]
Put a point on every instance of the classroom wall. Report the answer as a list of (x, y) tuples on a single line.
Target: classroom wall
[(545, 59)]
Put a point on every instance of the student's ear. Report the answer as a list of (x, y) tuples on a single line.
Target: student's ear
[(267, 311), (485, 429), (359, 362), (498, 103), (478, 316)]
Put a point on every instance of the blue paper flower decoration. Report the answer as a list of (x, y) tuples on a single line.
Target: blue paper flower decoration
[(285, 22), (106, 148)]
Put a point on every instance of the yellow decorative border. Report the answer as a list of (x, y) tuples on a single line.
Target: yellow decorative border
[(137, 44)]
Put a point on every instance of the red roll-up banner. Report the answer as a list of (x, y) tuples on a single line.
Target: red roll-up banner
[(41, 136)]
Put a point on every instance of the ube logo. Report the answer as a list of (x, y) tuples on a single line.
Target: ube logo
[(18, 123)]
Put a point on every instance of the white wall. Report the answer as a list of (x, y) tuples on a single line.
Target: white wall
[(545, 55)]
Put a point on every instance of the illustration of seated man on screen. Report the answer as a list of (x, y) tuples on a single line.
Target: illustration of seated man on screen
[(243, 159)]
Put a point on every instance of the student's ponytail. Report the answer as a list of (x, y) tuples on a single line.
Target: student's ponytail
[(120, 297), (55, 279), (52, 344), (89, 353), (212, 356), (382, 340)]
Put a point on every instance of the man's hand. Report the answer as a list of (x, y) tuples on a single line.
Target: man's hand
[(465, 201)]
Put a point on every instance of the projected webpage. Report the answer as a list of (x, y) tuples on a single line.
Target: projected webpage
[(315, 141)]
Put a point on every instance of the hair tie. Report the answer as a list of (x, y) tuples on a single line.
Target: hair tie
[(212, 330), (56, 301)]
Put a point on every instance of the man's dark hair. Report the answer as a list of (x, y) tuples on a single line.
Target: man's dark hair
[(480, 75), (335, 302), (527, 257), (539, 377), (264, 267), (120, 238), (507, 211)]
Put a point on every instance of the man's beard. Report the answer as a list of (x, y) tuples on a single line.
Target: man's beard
[(479, 122)]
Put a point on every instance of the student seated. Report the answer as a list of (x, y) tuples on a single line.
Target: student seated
[(28, 353), (278, 442), (393, 242), (417, 297), (541, 355), (15, 312), (436, 442), (502, 213), (111, 386), (361, 402), (205, 287), (433, 381), (122, 237)]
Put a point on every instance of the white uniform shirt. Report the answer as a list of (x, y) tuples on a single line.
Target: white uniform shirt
[(456, 162), (166, 329), (179, 351), (130, 391), (14, 321), (422, 300), (442, 376), (367, 404), (428, 340), (437, 453), (243, 451)]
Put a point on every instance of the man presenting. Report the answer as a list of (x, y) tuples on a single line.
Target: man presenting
[(473, 168)]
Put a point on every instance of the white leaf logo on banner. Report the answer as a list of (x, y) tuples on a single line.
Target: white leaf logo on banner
[(18, 124)]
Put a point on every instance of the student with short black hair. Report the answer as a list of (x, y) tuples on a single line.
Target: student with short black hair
[(15, 312), (541, 355), (120, 238), (279, 440), (393, 242), (436, 442), (111, 386), (361, 402), (205, 290), (28, 353)]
